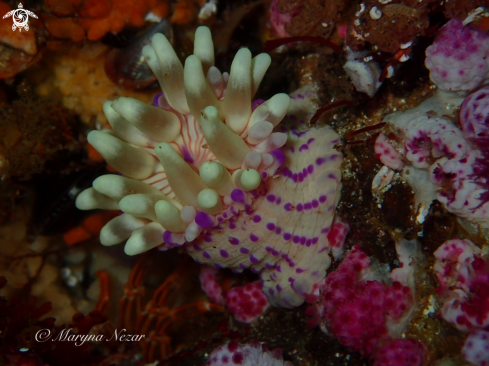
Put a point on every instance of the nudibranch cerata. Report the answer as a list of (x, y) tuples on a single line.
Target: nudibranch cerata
[(204, 170)]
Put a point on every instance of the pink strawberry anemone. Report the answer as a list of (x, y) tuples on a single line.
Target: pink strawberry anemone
[(204, 170)]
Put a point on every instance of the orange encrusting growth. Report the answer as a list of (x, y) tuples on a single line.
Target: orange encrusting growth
[(94, 155), (184, 12), (63, 27), (89, 228), (99, 20), (76, 19)]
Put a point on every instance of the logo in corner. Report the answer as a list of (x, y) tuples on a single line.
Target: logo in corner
[(20, 17)]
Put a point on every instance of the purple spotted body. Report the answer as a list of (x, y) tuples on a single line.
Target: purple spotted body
[(276, 229), (290, 214)]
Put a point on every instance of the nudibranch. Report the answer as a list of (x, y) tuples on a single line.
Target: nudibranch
[(203, 170)]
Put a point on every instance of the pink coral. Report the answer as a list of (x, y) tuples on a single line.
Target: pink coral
[(248, 302), (457, 59), (400, 352), (427, 138), (456, 166), (474, 116), (454, 263), (254, 354), (476, 348), (278, 20), (463, 276), (456, 160), (210, 285), (337, 236), (387, 154), (358, 307)]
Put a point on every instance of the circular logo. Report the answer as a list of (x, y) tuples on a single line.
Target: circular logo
[(20, 17)]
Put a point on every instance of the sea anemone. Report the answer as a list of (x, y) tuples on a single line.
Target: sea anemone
[(203, 170)]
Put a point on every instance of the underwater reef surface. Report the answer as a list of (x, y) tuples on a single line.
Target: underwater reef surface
[(292, 182)]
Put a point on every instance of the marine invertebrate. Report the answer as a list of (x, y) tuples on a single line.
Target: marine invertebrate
[(475, 348), (247, 302), (358, 304), (474, 115), (210, 284), (364, 73), (457, 169), (454, 261), (462, 274), (237, 212), (387, 154), (427, 138), (89, 227), (400, 352), (437, 145), (277, 20), (457, 59), (253, 354), (455, 159), (473, 118), (337, 236), (78, 20)]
